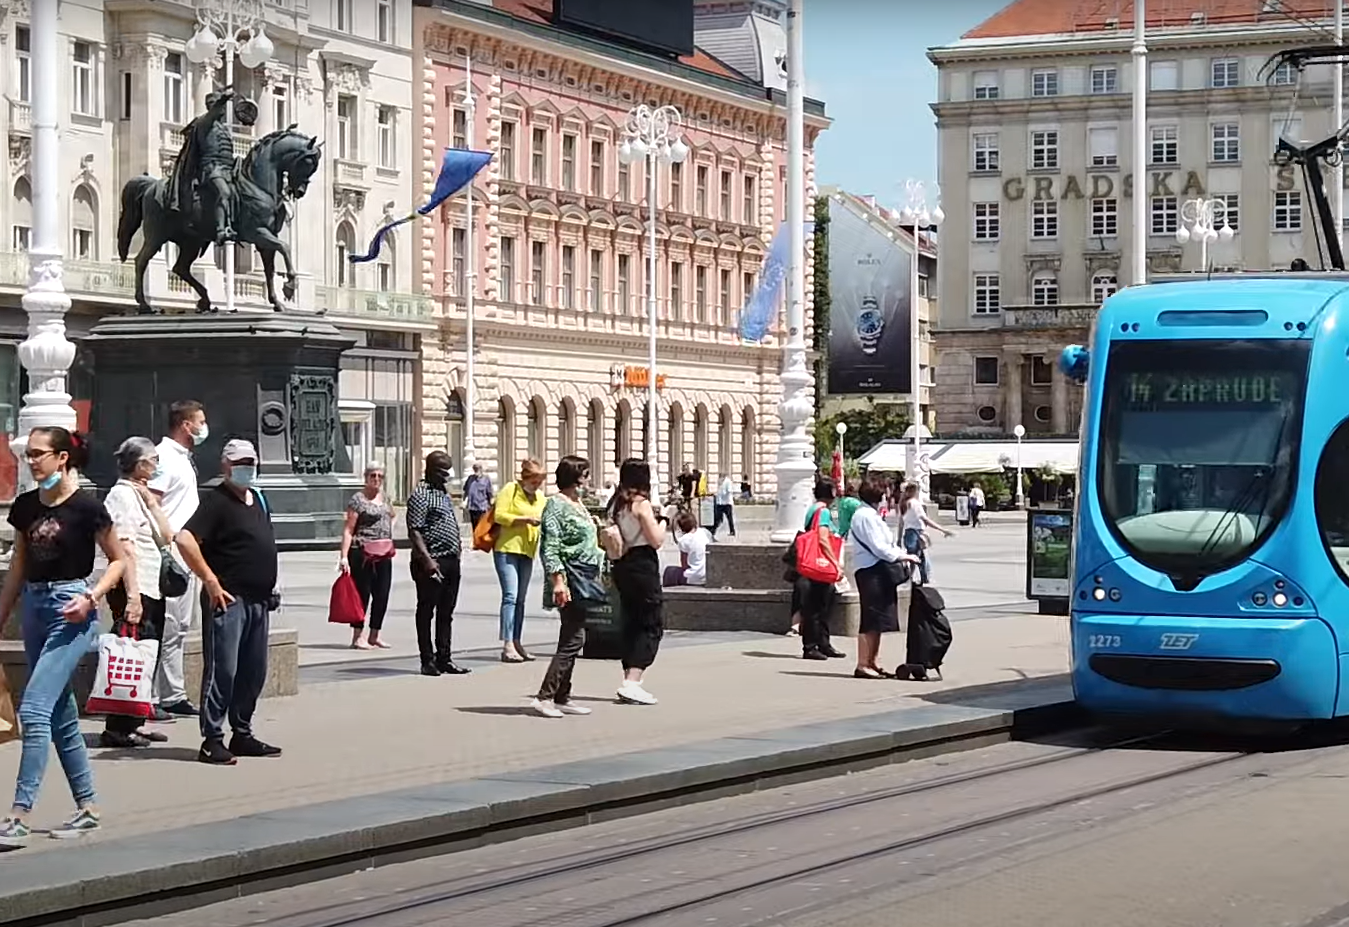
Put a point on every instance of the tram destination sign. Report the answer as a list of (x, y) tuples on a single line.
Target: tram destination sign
[(1163, 391)]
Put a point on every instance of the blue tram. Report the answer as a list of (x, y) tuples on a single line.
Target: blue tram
[(1211, 559)]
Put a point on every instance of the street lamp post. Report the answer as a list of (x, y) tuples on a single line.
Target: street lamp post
[(469, 100), (221, 29), (653, 134), (917, 216), (46, 354), (1199, 220), (842, 429), (1020, 432)]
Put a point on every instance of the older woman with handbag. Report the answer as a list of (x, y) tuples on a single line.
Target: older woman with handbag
[(572, 559), (367, 554), (880, 567)]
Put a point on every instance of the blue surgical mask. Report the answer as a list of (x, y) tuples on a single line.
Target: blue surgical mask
[(200, 436), (159, 471), (51, 480), (243, 477)]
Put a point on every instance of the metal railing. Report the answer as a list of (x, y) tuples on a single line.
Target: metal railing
[(1076, 315), (400, 307)]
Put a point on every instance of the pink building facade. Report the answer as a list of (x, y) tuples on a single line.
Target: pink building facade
[(560, 237)]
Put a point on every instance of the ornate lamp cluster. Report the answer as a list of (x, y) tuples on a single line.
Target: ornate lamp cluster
[(653, 133), (221, 24)]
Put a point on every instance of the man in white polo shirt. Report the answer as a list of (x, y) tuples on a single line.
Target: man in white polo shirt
[(176, 486)]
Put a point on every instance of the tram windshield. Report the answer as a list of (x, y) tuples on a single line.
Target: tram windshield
[(1198, 445)]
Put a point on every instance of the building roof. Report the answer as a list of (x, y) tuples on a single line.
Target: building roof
[(1059, 17), (541, 12), (867, 205)]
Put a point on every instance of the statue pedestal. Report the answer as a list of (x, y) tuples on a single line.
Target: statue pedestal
[(270, 378)]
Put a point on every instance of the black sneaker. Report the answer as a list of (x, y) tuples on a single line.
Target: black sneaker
[(120, 740), (213, 752), (832, 652), (183, 709), (450, 668), (813, 654), (250, 746), (429, 669)]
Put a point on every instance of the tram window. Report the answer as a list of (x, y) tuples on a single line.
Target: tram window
[(1332, 499), (1197, 445)]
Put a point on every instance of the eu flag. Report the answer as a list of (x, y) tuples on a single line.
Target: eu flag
[(457, 170)]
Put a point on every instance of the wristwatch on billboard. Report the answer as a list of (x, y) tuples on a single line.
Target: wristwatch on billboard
[(870, 325)]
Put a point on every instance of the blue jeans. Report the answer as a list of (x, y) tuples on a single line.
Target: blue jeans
[(234, 666), (48, 713), (914, 545), (513, 572)]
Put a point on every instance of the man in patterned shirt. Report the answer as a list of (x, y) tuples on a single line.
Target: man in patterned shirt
[(433, 529)]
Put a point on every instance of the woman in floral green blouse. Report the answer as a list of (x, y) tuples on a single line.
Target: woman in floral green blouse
[(572, 559)]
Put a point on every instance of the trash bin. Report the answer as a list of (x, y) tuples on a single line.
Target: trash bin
[(962, 508), (604, 624)]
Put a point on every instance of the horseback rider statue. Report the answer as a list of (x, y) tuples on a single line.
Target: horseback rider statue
[(205, 165)]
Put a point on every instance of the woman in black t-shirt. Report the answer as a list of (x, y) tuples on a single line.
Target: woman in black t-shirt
[(57, 527)]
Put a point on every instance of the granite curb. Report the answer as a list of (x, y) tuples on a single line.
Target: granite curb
[(120, 880)]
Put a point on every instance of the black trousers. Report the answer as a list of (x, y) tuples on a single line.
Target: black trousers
[(436, 599), (637, 576), (813, 599), (374, 579), (723, 511), (151, 628), (571, 638)]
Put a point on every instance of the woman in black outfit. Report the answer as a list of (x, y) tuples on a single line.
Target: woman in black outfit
[(811, 598), (637, 576), (874, 549)]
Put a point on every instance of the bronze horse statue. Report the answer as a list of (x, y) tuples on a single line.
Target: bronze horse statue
[(277, 168)]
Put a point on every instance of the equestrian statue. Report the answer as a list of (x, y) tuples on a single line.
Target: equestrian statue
[(212, 198)]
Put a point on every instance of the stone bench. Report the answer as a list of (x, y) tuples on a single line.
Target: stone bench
[(283, 667), (767, 611)]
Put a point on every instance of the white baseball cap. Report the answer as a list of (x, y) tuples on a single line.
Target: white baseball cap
[(237, 449)]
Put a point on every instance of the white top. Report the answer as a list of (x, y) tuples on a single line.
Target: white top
[(726, 492), (131, 519), (913, 515), (176, 483), (871, 536), (977, 497), (694, 546), (631, 529)]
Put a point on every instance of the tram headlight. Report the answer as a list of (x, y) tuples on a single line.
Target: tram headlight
[(1280, 600), (1259, 598), (1098, 594)]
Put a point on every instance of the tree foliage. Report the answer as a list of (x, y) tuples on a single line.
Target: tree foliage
[(820, 293), (867, 427)]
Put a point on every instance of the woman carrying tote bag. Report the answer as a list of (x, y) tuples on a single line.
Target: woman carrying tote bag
[(880, 566)]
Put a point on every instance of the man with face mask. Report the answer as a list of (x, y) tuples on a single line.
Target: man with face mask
[(175, 484), (433, 529), (229, 543)]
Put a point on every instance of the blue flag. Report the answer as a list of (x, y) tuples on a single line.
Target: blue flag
[(457, 171), (762, 306)]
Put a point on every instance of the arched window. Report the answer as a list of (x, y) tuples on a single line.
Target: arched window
[(23, 215), (725, 441), (83, 224), (747, 445), (1103, 284), (537, 437), (595, 437), (346, 246), (505, 440), (1044, 289), (700, 418), (454, 419), (622, 432), (385, 278), (675, 440), (566, 428)]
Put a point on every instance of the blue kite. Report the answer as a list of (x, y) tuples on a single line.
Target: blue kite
[(457, 171)]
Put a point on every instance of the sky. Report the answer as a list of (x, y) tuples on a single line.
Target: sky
[(866, 59)]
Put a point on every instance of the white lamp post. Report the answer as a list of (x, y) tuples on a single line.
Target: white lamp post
[(796, 467), (221, 28), (469, 99), (1020, 432), (842, 429), (1199, 219), (917, 216), (1140, 131), (46, 354), (653, 134)]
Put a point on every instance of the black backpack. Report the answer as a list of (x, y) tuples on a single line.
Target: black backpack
[(928, 636)]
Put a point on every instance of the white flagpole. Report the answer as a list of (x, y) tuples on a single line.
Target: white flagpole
[(1337, 172), (470, 284), (1140, 56)]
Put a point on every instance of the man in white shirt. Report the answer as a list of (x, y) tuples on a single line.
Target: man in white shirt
[(723, 505), (176, 487)]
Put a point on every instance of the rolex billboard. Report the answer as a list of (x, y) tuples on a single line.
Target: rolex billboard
[(869, 289)]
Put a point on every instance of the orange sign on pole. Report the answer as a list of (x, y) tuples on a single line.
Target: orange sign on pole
[(640, 377)]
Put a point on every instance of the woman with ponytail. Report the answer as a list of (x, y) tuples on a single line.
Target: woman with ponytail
[(57, 528)]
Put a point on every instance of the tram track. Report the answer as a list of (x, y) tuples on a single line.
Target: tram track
[(412, 905)]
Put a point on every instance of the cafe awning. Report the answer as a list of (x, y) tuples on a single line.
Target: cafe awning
[(976, 456)]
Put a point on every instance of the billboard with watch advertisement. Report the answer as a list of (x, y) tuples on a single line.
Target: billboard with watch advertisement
[(870, 277)]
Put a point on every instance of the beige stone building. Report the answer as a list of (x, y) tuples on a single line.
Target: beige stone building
[(1035, 136)]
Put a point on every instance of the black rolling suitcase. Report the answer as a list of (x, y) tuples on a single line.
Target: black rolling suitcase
[(928, 636)]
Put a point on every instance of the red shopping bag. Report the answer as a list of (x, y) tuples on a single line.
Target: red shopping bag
[(344, 606), (811, 561), (126, 665)]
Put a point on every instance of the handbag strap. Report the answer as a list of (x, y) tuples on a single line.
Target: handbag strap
[(867, 547), (149, 516)]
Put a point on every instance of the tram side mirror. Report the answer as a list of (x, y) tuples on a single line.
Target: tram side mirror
[(1075, 362)]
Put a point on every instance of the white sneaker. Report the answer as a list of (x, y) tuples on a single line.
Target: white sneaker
[(635, 694), (547, 709), (567, 708)]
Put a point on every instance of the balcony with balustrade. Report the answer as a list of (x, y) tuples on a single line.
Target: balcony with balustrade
[(1062, 317)]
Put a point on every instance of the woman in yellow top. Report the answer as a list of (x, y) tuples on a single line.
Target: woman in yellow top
[(517, 513)]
